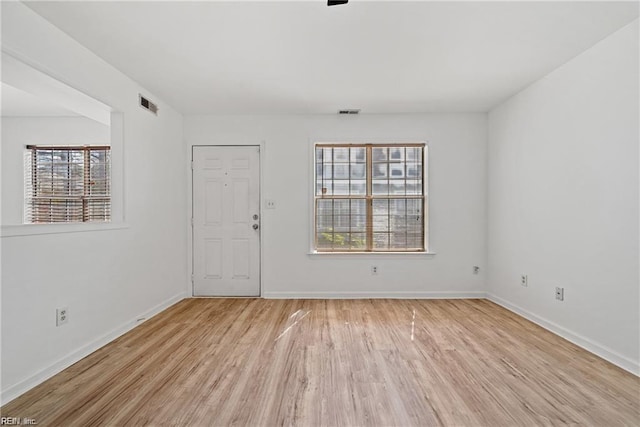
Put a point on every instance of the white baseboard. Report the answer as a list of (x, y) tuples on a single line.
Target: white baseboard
[(374, 295), (623, 362), (593, 347), (39, 377)]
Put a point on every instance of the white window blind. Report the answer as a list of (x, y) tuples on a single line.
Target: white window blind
[(370, 197), (67, 184)]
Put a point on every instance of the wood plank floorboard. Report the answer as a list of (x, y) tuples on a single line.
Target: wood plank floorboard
[(256, 362)]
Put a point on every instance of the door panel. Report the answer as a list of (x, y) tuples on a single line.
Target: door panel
[(213, 209), (213, 259), (226, 197)]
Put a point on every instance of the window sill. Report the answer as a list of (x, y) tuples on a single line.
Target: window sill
[(365, 254), (38, 229)]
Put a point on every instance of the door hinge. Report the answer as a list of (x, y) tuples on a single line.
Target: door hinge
[(191, 164), (192, 222), (192, 278)]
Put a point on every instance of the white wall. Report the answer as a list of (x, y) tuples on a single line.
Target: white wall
[(457, 189), (563, 205), (563, 199), (18, 132), (106, 278)]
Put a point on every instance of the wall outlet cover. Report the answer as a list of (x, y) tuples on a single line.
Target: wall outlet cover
[(62, 316)]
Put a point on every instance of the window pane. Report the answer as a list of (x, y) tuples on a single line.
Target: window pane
[(59, 190), (415, 241), (358, 171), (379, 154), (324, 239), (359, 207), (398, 241), (414, 224), (341, 187), (43, 156), (380, 207), (358, 241), (396, 153), (380, 187), (341, 171), (340, 155), (414, 170), (396, 187), (358, 155), (380, 215), (380, 241), (414, 187), (327, 172), (414, 207), (341, 207), (341, 223), (358, 188), (325, 207), (413, 153), (327, 155), (380, 170), (359, 223), (396, 170), (326, 188), (319, 179), (397, 206), (396, 222)]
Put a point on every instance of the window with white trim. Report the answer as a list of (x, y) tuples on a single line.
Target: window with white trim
[(370, 198), (67, 184)]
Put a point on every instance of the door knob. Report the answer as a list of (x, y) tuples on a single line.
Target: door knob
[(255, 226)]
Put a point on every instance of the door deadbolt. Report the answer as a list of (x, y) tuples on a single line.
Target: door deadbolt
[(255, 216)]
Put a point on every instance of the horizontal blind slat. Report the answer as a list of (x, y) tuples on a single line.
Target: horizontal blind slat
[(60, 186)]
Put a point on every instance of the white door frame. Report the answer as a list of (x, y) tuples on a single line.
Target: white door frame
[(263, 222)]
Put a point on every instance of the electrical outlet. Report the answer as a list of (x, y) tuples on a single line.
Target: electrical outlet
[(476, 269), (62, 316), (524, 280), (560, 294), (270, 204), (374, 270)]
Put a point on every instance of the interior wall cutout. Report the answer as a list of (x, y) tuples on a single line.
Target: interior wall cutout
[(108, 277)]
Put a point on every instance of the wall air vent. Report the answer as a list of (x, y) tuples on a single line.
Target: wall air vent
[(349, 111), (148, 105)]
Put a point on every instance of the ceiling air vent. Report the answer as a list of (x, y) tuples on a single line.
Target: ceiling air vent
[(148, 105), (349, 111)]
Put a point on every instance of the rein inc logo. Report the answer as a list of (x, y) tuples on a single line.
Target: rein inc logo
[(17, 421)]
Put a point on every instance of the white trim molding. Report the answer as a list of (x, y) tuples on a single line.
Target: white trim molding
[(374, 295), (39, 229), (39, 377), (632, 366)]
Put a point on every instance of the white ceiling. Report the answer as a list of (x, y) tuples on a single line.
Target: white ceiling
[(305, 57), (17, 103)]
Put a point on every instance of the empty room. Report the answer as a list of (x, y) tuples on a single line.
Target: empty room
[(320, 213)]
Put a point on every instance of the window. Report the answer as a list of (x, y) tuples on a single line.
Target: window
[(67, 184), (370, 197)]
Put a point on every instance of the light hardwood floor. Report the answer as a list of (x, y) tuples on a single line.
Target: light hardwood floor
[(254, 362)]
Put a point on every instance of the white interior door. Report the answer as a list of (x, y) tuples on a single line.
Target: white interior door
[(226, 233)]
